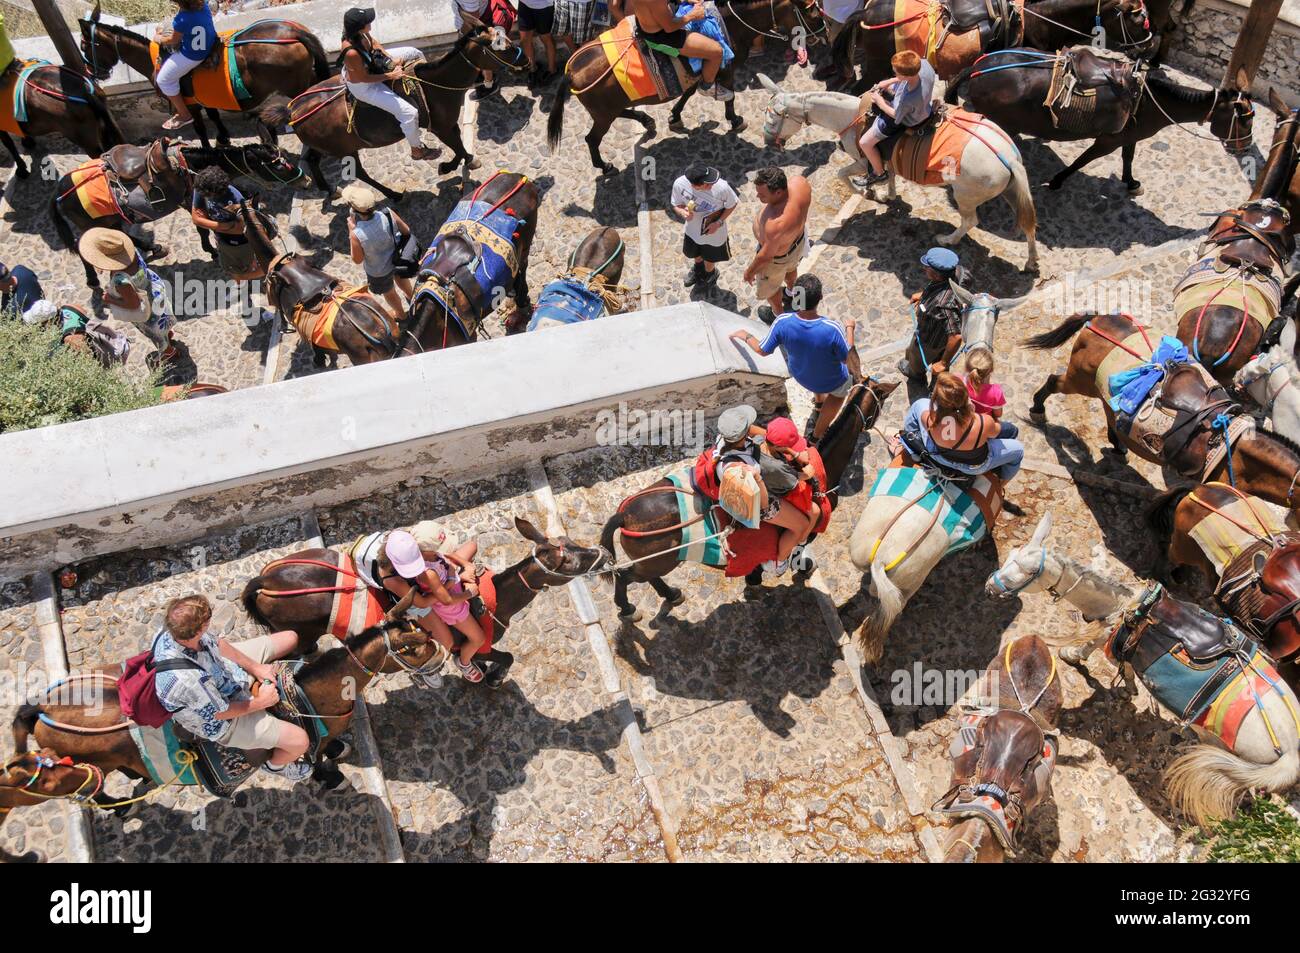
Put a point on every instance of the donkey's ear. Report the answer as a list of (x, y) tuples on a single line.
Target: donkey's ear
[(1243, 81), (528, 531), (472, 20), (964, 296), (94, 14), (766, 82), (1278, 104), (1006, 304), (1042, 530)]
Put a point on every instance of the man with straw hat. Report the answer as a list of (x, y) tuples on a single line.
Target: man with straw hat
[(374, 239), (135, 293)]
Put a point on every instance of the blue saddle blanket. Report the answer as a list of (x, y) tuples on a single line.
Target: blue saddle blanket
[(493, 233), (566, 301), (1130, 388)]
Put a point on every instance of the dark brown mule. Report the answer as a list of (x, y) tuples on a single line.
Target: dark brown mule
[(1263, 463), (69, 104), (1012, 87), (320, 115), (1247, 247), (157, 180), (654, 516), (868, 35), (447, 276), (362, 327), (96, 734), (34, 777), (553, 562), (273, 56), (590, 78), (1260, 585), (1004, 768)]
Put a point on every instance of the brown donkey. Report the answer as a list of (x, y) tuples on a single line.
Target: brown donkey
[(60, 101)]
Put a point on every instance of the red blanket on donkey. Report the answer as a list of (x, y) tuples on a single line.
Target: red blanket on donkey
[(750, 548), (357, 607)]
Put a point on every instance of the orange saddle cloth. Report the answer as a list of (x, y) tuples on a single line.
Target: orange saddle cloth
[(212, 85)]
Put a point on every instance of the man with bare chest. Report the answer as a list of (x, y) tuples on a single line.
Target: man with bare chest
[(782, 232), (662, 31)]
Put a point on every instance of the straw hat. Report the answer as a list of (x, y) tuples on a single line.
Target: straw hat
[(359, 197), (107, 249), (434, 537)]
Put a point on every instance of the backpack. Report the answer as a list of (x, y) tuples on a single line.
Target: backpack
[(137, 694)]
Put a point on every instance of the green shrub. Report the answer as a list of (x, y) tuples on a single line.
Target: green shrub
[(1263, 832), (42, 382)]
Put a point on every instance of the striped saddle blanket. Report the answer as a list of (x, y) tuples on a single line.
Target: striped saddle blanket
[(98, 190), (181, 758), (216, 82), (698, 546), (13, 98), (317, 324), (1236, 528), (1212, 281), (964, 514), (644, 74)]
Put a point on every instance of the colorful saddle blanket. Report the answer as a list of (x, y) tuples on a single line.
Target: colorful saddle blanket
[(317, 324), (699, 544), (356, 606), (1236, 527), (98, 191), (931, 155), (566, 301), (965, 514), (216, 82), (949, 35), (220, 770), (14, 83), (647, 74), (493, 231), (1204, 669), (1212, 281)]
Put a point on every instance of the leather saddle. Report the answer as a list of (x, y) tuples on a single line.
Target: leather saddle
[(1093, 69), (1159, 623), (1002, 769), (927, 461), (366, 116), (310, 284), (1261, 588), (1168, 425), (997, 20)]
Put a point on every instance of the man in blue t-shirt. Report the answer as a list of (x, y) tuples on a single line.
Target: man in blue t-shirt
[(818, 351), (193, 37), (19, 289)]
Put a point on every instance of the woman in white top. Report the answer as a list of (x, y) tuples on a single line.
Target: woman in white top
[(368, 68)]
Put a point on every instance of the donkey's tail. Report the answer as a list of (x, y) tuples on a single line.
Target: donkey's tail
[(320, 63), (555, 124), (1060, 334)]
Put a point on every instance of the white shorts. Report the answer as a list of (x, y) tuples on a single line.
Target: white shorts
[(170, 73)]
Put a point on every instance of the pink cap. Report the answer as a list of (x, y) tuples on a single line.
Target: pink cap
[(404, 553)]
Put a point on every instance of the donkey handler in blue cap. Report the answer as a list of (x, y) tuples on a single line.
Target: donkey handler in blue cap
[(936, 335)]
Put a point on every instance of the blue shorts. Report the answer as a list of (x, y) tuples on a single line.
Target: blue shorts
[(887, 127)]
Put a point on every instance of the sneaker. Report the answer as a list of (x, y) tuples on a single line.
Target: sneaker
[(774, 568), (864, 182), (722, 94), (470, 672), (292, 772), (766, 314)]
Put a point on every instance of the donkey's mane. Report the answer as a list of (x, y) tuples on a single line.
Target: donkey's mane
[(1186, 94), (842, 418)]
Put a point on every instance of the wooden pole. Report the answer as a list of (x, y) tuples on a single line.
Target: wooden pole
[(57, 28), (1256, 29)]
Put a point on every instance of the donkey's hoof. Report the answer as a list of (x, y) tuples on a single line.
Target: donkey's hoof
[(160, 251), (1074, 654), (1037, 417), (608, 169), (676, 599), (630, 615), (22, 172), (739, 125), (676, 125), (1135, 188)]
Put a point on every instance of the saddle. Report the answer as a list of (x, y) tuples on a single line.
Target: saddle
[(1251, 590), (1002, 769), (1168, 429), (915, 447), (998, 21), (1184, 654), (380, 119), (1080, 76), (314, 286)]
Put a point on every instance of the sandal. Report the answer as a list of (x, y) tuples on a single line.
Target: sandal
[(470, 672), (176, 122)]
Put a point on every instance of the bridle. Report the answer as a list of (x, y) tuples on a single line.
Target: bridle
[(1243, 115), (1267, 376), (94, 50), (801, 10), (265, 167), (441, 656), (94, 775), (1053, 590), (782, 114), (603, 556)]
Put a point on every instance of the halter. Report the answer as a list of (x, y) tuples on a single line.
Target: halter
[(1267, 376), (266, 168), (395, 655), (1053, 590), (604, 556), (93, 774)]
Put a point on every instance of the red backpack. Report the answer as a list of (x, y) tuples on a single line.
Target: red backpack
[(137, 695)]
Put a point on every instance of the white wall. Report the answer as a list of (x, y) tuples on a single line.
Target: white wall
[(178, 471)]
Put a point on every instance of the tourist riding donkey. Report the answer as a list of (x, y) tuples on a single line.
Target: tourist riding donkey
[(235, 710), (1248, 549), (940, 494), (478, 259), (952, 34), (647, 64), (330, 121), (955, 148), (589, 287), (1003, 754), (332, 318), (320, 591), (1082, 93), (132, 185), (239, 70), (1207, 671), (677, 519), (40, 99)]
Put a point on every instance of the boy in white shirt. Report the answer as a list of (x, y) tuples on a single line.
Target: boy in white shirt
[(704, 201)]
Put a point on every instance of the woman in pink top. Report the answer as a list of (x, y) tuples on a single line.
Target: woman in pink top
[(986, 396)]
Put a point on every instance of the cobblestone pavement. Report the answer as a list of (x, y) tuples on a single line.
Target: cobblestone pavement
[(749, 717)]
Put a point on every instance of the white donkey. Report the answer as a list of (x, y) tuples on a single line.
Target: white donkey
[(990, 164), (1210, 780), (1273, 382)]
